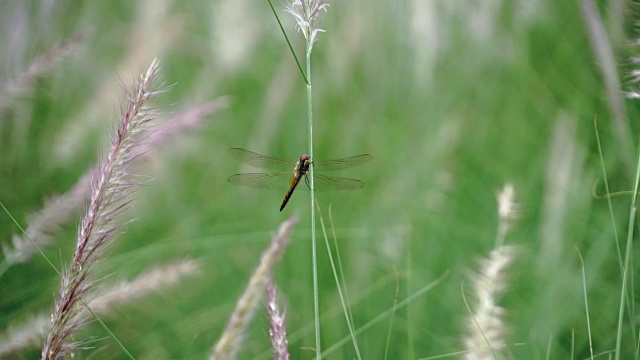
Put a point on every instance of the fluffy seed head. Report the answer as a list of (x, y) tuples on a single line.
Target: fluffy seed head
[(307, 14)]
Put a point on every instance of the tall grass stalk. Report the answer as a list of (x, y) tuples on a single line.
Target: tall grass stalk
[(627, 263), (316, 301), (307, 14)]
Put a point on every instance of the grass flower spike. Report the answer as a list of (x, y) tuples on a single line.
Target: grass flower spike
[(307, 14), (485, 326), (230, 342), (277, 322), (112, 183)]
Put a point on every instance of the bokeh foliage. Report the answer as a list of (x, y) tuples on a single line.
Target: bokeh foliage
[(453, 99)]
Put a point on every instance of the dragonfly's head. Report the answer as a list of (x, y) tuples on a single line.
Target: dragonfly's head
[(304, 159)]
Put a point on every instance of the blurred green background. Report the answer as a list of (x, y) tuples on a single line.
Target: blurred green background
[(454, 99)]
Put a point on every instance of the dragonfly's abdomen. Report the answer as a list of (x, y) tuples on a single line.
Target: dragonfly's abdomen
[(299, 171), (294, 182)]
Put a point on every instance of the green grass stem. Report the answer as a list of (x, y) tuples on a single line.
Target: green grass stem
[(627, 263), (339, 286), (586, 303)]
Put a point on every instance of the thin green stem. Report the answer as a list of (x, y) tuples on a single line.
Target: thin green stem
[(606, 186), (30, 240), (389, 312), (306, 80), (339, 286), (627, 260), (316, 301), (608, 195), (106, 328), (586, 304), (395, 304), (340, 267)]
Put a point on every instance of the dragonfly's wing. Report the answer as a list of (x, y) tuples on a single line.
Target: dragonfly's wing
[(277, 181), (333, 183), (259, 160), (330, 165)]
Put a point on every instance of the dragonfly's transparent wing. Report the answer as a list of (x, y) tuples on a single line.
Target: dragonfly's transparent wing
[(260, 161), (333, 183), (276, 181), (331, 165)]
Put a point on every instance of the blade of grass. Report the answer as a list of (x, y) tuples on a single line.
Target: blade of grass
[(395, 303), (338, 344), (606, 187), (586, 304), (627, 262), (340, 267), (463, 352), (339, 286), (304, 76)]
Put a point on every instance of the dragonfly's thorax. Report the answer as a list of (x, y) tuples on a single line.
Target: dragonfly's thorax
[(302, 166)]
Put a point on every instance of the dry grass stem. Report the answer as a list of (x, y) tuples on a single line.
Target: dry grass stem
[(278, 326), (112, 183), (228, 345)]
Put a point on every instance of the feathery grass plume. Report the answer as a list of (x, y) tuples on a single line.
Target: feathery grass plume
[(485, 326), (112, 183), (606, 61), (149, 282), (24, 81), (308, 14), (187, 120), (278, 326), (228, 345), (33, 331), (508, 211), (26, 335), (43, 225)]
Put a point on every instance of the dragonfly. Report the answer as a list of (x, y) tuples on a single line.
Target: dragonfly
[(288, 180)]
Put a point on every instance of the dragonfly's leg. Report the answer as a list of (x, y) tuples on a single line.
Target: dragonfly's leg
[(306, 181)]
